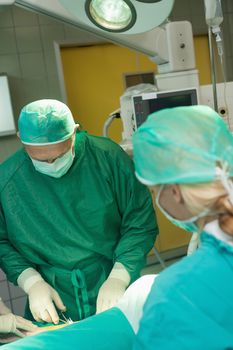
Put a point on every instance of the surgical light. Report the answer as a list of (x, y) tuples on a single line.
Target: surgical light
[(111, 15), (149, 1), (144, 17)]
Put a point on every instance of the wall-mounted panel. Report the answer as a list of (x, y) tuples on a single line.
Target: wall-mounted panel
[(7, 123)]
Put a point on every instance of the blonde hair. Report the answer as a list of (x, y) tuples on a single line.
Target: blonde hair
[(199, 197)]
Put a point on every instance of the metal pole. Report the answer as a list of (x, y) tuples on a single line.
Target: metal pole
[(156, 253), (213, 71)]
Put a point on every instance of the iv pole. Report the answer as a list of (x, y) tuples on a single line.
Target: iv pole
[(213, 68), (214, 17)]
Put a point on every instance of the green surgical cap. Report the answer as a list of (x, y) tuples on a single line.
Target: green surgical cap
[(45, 122), (182, 145)]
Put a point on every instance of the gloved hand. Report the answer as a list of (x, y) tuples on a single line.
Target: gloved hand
[(113, 288), (109, 294), (42, 296), (15, 324)]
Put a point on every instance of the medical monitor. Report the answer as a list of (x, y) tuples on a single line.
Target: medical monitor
[(147, 103)]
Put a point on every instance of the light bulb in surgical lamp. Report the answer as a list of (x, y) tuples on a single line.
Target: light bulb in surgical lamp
[(111, 15)]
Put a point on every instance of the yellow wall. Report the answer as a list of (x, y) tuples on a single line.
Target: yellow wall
[(94, 82), (202, 59)]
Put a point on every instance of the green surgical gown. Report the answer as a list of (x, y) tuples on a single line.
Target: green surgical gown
[(190, 306), (74, 228)]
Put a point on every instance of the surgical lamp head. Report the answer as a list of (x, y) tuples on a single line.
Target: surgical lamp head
[(119, 16)]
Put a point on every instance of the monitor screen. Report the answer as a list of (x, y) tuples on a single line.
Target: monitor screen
[(145, 104)]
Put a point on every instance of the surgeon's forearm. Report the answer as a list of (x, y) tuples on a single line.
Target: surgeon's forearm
[(133, 248), (12, 262), (28, 278), (120, 272)]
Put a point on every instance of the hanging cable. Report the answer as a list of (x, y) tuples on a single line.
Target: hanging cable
[(109, 120)]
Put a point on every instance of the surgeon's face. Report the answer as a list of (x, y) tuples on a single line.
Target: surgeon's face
[(171, 200), (49, 153)]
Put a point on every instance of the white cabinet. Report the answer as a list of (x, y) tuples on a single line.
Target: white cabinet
[(7, 123)]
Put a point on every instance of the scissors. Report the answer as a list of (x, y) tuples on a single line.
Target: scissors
[(64, 319)]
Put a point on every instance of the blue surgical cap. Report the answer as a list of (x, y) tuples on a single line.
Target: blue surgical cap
[(182, 145), (45, 122)]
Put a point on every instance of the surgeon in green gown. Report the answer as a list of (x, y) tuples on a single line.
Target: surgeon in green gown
[(75, 223)]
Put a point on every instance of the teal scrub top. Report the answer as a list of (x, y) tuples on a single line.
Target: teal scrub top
[(74, 228), (190, 306), (105, 331)]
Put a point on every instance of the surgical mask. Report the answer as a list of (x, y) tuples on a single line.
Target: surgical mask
[(58, 168), (187, 225)]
